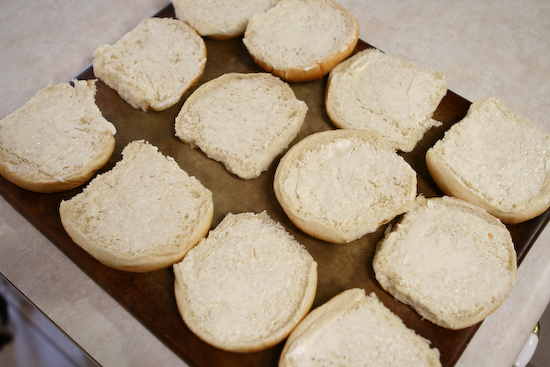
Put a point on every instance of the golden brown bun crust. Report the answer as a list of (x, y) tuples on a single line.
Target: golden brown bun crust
[(273, 340), (319, 228), (332, 312), (451, 185), (211, 284), (20, 165), (483, 300), (318, 68), (113, 220), (141, 264), (315, 73), (496, 160), (69, 183)]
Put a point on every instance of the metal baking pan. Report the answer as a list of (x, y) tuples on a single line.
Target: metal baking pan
[(149, 297)]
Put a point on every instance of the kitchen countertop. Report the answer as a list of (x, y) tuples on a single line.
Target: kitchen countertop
[(491, 48)]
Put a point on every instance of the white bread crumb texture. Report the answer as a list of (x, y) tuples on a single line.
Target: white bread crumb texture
[(375, 91), (242, 120), (145, 204), (133, 214), (348, 181), (246, 279), (219, 17), (362, 333), (56, 133), (448, 259), (282, 36), (154, 64), (498, 155)]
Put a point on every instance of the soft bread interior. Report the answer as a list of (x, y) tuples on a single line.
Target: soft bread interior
[(375, 91), (219, 20), (494, 159), (322, 190), (242, 120), (57, 140), (353, 329), (300, 40), (247, 285), (143, 215), (449, 260), (152, 66)]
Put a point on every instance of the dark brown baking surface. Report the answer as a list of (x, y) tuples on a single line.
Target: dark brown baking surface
[(149, 297)]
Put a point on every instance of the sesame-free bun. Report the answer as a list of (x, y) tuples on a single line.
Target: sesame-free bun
[(338, 185), (495, 159), (246, 286), (301, 40), (375, 91), (242, 120), (219, 20), (354, 329), (142, 215), (57, 140), (153, 65), (451, 261)]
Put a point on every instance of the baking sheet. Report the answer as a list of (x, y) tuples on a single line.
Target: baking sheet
[(149, 297)]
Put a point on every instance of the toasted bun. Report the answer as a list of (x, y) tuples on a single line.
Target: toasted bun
[(219, 20), (339, 185), (374, 91), (494, 159), (247, 285), (242, 120), (57, 140), (449, 260), (353, 329), (152, 66), (290, 40), (143, 215)]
